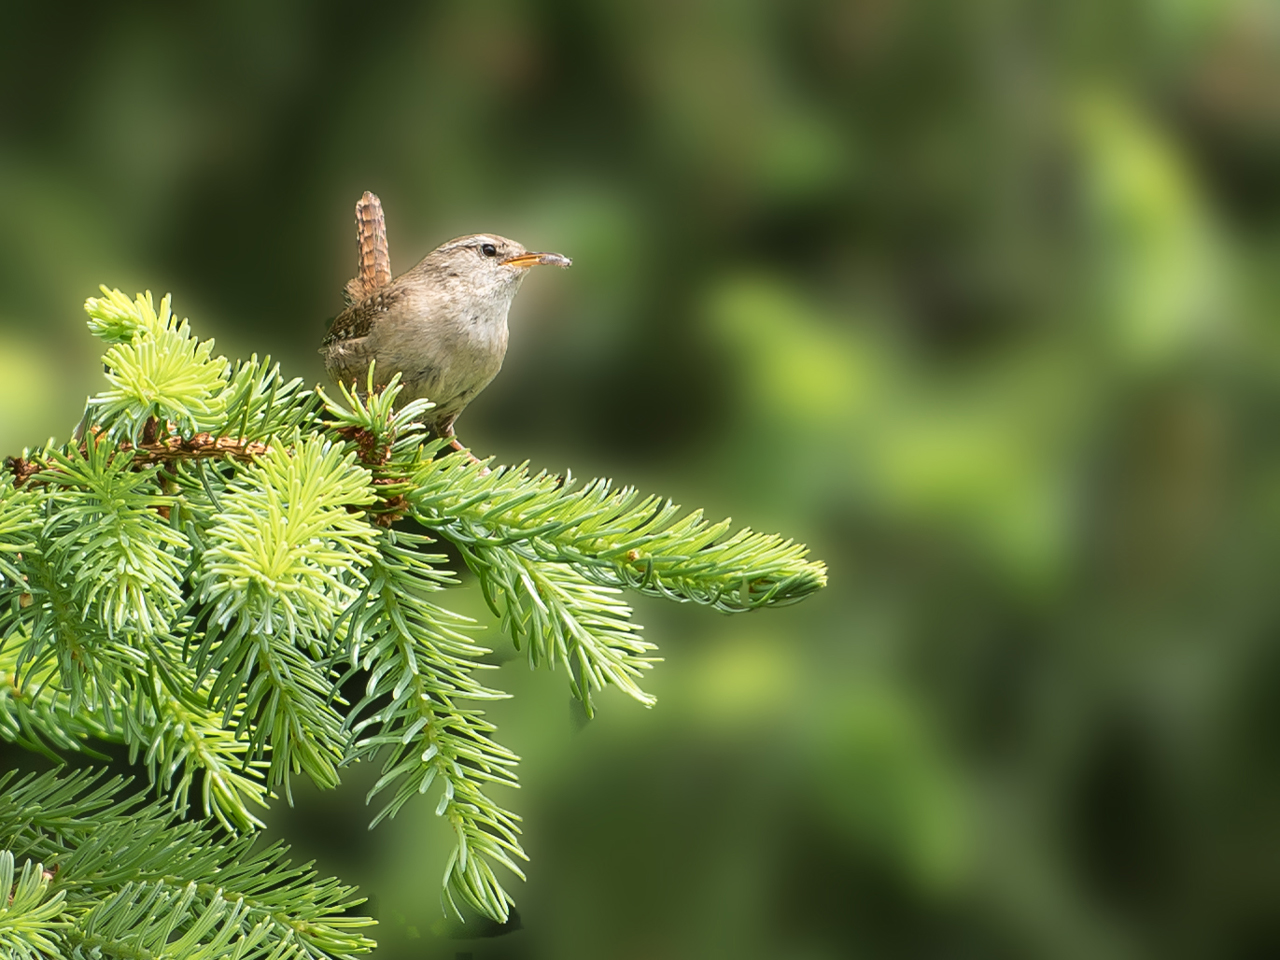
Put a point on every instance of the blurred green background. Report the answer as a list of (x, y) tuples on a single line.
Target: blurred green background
[(979, 299)]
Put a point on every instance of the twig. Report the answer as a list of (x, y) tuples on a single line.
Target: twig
[(159, 450)]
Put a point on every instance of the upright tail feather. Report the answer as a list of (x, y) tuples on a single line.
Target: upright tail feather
[(373, 255)]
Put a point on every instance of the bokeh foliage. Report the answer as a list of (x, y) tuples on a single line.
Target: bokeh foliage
[(976, 299)]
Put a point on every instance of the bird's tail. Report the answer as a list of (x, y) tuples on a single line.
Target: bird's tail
[(373, 256)]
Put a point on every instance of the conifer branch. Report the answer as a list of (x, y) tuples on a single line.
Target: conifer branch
[(614, 537), (200, 569), (563, 618), (36, 711), (109, 854), (420, 667), (180, 737), (276, 569), (30, 918)]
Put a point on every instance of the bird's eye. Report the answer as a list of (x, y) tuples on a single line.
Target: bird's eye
[(488, 249)]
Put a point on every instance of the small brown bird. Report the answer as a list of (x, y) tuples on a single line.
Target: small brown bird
[(442, 325)]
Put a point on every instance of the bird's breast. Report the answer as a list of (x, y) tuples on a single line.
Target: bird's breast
[(445, 354)]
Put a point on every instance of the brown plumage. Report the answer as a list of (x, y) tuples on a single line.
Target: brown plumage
[(372, 253), (441, 325)]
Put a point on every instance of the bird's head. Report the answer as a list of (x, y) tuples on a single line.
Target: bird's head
[(486, 263)]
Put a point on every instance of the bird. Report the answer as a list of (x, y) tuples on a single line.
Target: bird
[(441, 325)]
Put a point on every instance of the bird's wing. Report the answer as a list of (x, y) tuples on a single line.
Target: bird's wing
[(359, 318)]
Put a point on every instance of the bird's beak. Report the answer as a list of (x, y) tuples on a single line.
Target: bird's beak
[(525, 260)]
